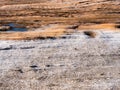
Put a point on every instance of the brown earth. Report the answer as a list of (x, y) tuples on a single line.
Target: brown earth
[(87, 14), (55, 31), (30, 35), (35, 13)]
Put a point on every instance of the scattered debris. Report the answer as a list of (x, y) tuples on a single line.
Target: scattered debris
[(34, 66), (102, 74), (27, 47), (63, 37), (53, 38), (1, 84), (42, 78), (6, 48), (75, 48), (19, 70), (49, 65), (73, 27), (90, 34)]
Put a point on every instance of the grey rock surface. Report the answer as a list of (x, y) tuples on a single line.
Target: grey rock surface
[(76, 62)]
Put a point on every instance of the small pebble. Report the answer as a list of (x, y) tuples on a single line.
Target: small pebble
[(34, 66)]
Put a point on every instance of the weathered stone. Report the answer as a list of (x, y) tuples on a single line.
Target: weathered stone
[(90, 34), (5, 28)]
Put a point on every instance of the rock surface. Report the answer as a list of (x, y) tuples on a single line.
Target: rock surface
[(76, 62), (72, 61), (5, 28), (35, 13)]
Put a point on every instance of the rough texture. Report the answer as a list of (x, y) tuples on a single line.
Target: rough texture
[(35, 13), (75, 62)]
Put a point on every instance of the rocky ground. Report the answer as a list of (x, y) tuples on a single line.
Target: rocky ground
[(75, 62), (59, 45), (36, 13)]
